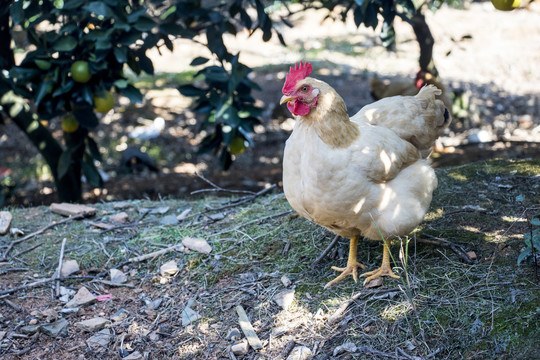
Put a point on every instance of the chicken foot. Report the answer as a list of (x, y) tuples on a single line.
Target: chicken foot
[(384, 270), (352, 264)]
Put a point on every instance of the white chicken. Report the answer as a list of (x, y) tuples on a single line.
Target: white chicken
[(361, 176)]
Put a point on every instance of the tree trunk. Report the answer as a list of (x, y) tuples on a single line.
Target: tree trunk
[(69, 186), (426, 41)]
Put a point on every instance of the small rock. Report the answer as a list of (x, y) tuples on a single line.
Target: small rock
[(183, 215), (300, 353), (374, 283), (279, 330), (59, 327), (2, 335), (168, 220), (156, 303), (94, 324), (120, 315), (233, 334), (284, 298), (30, 329), (161, 210), (170, 268), (99, 340), (5, 222), (66, 209), (49, 314), (16, 232), (471, 255), (197, 244), (118, 276), (82, 298), (136, 355), (69, 267), (120, 218), (121, 205), (33, 322), (73, 310), (286, 281), (347, 347), (189, 315), (240, 348), (153, 336)]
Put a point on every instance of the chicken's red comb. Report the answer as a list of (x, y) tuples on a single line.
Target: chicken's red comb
[(299, 72)]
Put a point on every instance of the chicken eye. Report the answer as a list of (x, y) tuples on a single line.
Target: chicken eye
[(305, 89)]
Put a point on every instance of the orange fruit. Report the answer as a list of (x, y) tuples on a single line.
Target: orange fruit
[(104, 104), (70, 124), (80, 71)]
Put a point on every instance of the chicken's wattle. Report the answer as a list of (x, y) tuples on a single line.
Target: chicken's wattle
[(298, 108)]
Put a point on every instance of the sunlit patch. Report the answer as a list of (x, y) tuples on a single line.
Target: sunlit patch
[(359, 205), (387, 162), (386, 197), (397, 311), (513, 219), (189, 168)]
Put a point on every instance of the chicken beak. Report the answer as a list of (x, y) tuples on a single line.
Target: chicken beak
[(285, 98)]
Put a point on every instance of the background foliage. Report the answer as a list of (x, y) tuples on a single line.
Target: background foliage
[(112, 38)]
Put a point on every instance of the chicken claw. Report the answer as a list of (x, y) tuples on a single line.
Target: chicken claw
[(352, 264), (384, 270)]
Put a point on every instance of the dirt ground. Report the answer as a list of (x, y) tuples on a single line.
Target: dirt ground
[(493, 68)]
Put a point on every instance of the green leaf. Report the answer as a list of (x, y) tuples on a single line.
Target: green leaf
[(64, 162), (44, 88), (525, 254), (94, 149), (370, 19), (144, 24), (535, 221), (121, 83), (135, 15), (190, 90), (99, 8), (225, 159), (519, 198), (64, 89), (132, 93), (145, 63), (120, 53), (199, 60), (90, 172), (66, 43), (17, 13), (73, 4)]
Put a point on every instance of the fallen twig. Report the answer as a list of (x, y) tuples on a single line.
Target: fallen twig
[(245, 199), (29, 236), (325, 252), (156, 253), (216, 188), (433, 240), (41, 283), (365, 292), (247, 328), (59, 269), (111, 283)]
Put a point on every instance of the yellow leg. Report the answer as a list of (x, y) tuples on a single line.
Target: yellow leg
[(352, 264), (384, 270)]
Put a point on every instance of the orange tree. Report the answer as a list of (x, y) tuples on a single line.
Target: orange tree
[(76, 57)]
